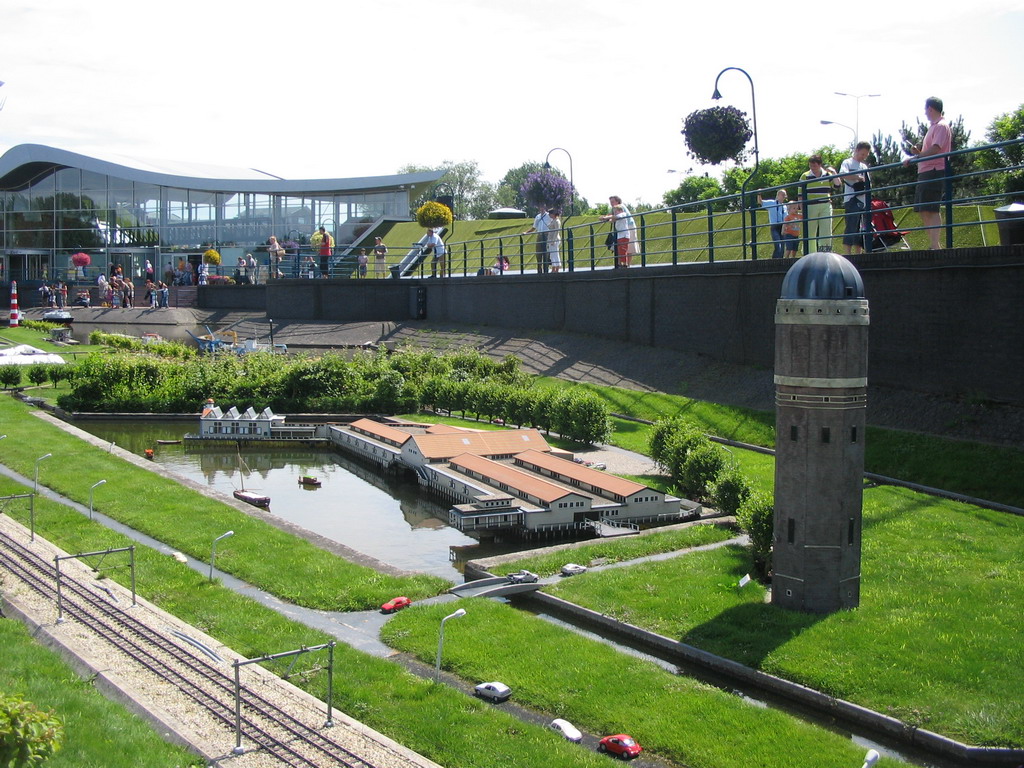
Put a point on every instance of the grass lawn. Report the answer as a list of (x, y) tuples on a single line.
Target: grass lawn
[(604, 691), (444, 724), (43, 678), (935, 641), (975, 469), (189, 521)]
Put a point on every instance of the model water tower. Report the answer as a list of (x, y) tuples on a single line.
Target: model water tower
[(821, 364)]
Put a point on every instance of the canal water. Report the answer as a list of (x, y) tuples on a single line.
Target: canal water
[(383, 517)]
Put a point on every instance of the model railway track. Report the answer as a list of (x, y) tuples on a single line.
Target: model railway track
[(263, 723)]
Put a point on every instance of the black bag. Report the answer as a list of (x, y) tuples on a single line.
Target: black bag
[(610, 240), (858, 186)]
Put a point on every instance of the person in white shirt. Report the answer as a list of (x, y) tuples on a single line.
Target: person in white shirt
[(854, 174), (434, 244)]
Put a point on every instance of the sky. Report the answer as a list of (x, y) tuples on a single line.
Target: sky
[(312, 89)]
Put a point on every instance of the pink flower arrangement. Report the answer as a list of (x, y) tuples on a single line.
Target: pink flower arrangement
[(81, 259)]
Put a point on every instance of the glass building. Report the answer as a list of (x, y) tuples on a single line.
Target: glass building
[(54, 203)]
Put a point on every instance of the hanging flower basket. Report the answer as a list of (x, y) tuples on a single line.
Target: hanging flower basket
[(716, 134), (211, 256), (433, 215), (547, 190), (81, 259)]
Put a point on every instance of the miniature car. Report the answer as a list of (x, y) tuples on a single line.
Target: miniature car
[(621, 744), (573, 569), (569, 731), (396, 604), (522, 577), (494, 692)]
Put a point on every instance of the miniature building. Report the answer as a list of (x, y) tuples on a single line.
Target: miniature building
[(821, 345)]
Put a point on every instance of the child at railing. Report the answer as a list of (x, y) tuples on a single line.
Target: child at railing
[(791, 229)]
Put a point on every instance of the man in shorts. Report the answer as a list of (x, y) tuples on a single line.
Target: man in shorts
[(931, 170)]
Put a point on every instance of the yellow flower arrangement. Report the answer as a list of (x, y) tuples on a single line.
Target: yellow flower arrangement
[(211, 256)]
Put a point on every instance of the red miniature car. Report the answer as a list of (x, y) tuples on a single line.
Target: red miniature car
[(621, 744), (396, 604)]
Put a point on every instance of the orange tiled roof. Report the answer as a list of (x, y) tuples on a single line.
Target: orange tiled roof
[(594, 477), (383, 431), (500, 443), (518, 481)]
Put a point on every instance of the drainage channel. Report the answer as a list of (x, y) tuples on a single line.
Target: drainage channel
[(757, 698)]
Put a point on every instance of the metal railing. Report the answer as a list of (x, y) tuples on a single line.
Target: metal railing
[(713, 230), (704, 231)]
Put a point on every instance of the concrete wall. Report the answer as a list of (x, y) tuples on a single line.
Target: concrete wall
[(944, 322)]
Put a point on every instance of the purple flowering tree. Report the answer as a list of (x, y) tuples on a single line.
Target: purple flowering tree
[(547, 190)]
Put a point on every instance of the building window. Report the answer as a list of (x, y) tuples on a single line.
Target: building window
[(853, 434), (794, 432), (791, 532), (826, 435), (849, 533)]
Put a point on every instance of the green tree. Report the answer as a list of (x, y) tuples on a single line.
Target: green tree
[(37, 374), (10, 375), (464, 179), (702, 467), (695, 189), (508, 190), (1006, 127)]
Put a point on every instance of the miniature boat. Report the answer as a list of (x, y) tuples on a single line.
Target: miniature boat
[(309, 480), (251, 497), (168, 442)]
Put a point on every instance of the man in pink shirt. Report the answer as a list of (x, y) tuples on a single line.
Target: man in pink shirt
[(931, 170)]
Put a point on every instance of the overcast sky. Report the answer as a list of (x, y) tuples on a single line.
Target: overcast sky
[(305, 89)]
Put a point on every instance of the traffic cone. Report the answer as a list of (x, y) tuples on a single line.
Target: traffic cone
[(15, 314)]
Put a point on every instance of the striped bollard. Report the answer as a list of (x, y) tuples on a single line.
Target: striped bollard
[(15, 314)]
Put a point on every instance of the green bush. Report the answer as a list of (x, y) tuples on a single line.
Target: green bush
[(702, 467), (756, 516), (730, 491), (28, 735)]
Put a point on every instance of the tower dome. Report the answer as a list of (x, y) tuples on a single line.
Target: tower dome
[(823, 275)]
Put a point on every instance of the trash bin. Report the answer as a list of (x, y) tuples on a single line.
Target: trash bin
[(1010, 219)]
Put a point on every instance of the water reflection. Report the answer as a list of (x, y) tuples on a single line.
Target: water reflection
[(379, 516)]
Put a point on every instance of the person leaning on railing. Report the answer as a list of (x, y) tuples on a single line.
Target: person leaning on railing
[(928, 197), (818, 202)]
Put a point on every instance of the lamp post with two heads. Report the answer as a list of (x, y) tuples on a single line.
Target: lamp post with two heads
[(743, 191), (857, 97)]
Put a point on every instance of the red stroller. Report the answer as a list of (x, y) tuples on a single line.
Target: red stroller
[(884, 234)]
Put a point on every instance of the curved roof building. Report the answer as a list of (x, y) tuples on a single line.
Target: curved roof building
[(54, 203)]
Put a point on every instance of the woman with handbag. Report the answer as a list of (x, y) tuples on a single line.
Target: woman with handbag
[(626, 243)]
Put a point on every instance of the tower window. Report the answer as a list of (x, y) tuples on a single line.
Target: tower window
[(849, 533), (791, 531), (853, 434), (826, 435), (794, 433)]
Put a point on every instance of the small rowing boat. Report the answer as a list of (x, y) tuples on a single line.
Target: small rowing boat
[(309, 480), (250, 497), (168, 442)]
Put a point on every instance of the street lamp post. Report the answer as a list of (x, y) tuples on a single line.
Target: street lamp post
[(547, 167), (743, 191), (440, 641), (843, 125), (35, 485), (270, 320), (856, 122), (91, 488), (213, 551)]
